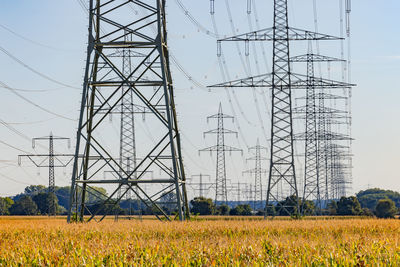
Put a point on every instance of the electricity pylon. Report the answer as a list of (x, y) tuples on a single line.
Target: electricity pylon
[(201, 186), (150, 81), (315, 116), (282, 80), (258, 172), (221, 194), (50, 161)]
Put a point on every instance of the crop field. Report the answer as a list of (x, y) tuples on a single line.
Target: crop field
[(339, 242)]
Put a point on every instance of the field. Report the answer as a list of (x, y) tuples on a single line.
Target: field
[(343, 242)]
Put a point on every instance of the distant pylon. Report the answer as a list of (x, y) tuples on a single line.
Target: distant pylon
[(221, 194), (282, 183), (54, 161), (201, 186), (150, 82), (258, 172)]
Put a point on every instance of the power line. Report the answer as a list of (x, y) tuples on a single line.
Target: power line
[(32, 103), (30, 40), (195, 22), (35, 71), (34, 91)]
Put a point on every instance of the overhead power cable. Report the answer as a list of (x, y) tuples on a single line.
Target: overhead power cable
[(11, 179), (13, 147), (30, 40), (34, 104), (195, 22), (35, 71)]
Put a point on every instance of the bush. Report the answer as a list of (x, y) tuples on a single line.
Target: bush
[(24, 206), (349, 206), (202, 206), (385, 208), (223, 209), (242, 210)]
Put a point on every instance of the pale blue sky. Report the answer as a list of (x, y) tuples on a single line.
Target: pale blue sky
[(60, 28)]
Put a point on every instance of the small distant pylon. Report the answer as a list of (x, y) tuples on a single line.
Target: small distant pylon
[(202, 186), (221, 194), (258, 172), (53, 161)]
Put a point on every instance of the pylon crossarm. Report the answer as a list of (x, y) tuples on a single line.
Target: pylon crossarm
[(268, 35), (298, 81)]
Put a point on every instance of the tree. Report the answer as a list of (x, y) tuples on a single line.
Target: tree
[(332, 208), (385, 208), (24, 206), (43, 200), (349, 206), (202, 206), (308, 207), (369, 198), (5, 205), (288, 206), (223, 209), (241, 210), (34, 189)]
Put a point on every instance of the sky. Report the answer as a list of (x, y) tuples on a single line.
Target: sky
[(51, 37)]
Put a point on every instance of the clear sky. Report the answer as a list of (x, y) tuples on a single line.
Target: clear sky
[(51, 36)]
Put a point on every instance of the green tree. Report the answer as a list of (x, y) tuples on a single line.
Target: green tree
[(242, 210), (308, 207), (385, 208), (349, 206), (5, 205), (34, 189), (223, 209), (288, 207), (202, 206), (24, 206), (369, 198), (43, 200), (332, 207)]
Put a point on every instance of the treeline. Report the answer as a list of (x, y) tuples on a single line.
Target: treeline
[(372, 202), (35, 201)]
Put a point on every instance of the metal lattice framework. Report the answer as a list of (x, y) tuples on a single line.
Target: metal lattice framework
[(258, 172), (315, 134), (282, 176), (202, 186), (115, 27), (221, 193), (50, 161)]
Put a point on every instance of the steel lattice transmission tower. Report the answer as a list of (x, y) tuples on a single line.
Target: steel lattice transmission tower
[(221, 193), (116, 26), (127, 150), (282, 181), (314, 136), (258, 172), (51, 161)]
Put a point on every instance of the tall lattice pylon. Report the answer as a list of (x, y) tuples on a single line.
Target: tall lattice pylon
[(127, 150), (313, 185), (150, 82), (258, 172), (51, 161), (221, 193), (282, 183)]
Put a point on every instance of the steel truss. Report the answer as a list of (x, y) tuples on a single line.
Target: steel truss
[(116, 27), (221, 192), (51, 161), (282, 183), (258, 172)]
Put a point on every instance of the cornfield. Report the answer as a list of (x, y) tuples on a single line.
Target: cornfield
[(340, 242)]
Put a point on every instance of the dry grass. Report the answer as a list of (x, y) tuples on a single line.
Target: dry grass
[(43, 241)]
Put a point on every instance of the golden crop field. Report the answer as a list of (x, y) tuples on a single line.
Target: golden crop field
[(340, 242)]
